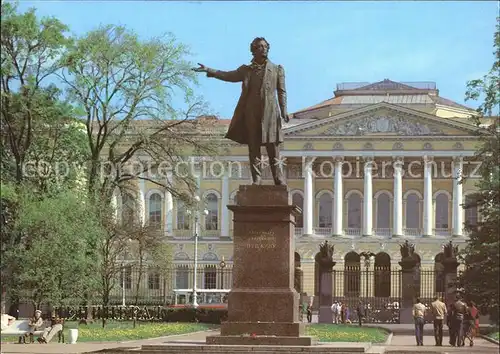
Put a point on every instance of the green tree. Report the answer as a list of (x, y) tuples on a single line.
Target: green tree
[(52, 263), (124, 87), (481, 256), (30, 49)]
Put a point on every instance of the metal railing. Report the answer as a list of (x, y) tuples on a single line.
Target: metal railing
[(318, 231), (352, 231), (421, 85), (412, 232), (323, 231), (384, 232), (442, 232)]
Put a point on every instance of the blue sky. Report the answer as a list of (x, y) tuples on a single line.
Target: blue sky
[(319, 44)]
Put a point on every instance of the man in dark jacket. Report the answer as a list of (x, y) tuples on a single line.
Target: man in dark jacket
[(257, 118), (458, 311)]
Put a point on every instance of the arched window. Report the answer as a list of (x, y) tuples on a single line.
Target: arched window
[(325, 210), (352, 275), (442, 205), (210, 277), (298, 200), (382, 275), (412, 211), (439, 283), (471, 214), (155, 209), (383, 211), (182, 217), (354, 211), (182, 277), (211, 220), (128, 209)]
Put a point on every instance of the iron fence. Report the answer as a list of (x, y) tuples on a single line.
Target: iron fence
[(379, 290)]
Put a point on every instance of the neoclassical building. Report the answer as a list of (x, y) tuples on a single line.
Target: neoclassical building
[(371, 167)]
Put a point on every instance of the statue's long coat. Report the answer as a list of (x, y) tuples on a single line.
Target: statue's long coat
[(270, 125)]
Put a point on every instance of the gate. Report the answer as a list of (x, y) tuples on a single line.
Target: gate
[(378, 292)]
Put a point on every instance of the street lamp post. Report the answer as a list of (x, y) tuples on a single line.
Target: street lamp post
[(123, 284), (196, 214), (222, 265)]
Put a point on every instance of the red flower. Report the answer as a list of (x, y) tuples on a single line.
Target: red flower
[(254, 335)]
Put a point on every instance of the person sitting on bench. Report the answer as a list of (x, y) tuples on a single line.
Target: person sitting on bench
[(35, 323), (55, 327)]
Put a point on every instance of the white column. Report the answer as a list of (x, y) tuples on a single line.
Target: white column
[(307, 166), (397, 229), (368, 198), (224, 228), (141, 201), (115, 205), (457, 197), (169, 206), (338, 196), (427, 217)]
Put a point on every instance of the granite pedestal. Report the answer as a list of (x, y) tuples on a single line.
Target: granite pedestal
[(263, 304)]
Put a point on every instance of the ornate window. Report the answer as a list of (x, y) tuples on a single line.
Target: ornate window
[(354, 211), (153, 280), (210, 277), (382, 275), (211, 220), (298, 200), (471, 214), (412, 211), (182, 277), (383, 211), (155, 209), (442, 206), (182, 217), (128, 209), (127, 273), (352, 275), (325, 210)]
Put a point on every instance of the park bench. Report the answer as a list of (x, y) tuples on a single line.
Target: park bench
[(20, 328)]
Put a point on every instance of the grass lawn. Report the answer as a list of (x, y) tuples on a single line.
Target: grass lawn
[(494, 335), (346, 333), (117, 331)]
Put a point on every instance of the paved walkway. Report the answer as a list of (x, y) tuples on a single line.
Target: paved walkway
[(401, 343), (77, 348)]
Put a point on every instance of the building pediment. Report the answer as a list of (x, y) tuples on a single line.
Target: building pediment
[(382, 120)]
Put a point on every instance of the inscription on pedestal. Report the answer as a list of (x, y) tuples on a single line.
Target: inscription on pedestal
[(261, 240)]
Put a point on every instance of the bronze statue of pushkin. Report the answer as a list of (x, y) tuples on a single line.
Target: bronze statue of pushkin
[(257, 118)]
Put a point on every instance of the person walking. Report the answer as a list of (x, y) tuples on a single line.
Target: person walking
[(418, 317), (360, 311), (457, 314), (439, 312), (471, 322), (309, 312), (335, 312)]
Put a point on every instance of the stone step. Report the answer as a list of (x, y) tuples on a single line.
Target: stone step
[(261, 349)]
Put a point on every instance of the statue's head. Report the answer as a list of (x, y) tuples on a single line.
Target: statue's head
[(260, 47)]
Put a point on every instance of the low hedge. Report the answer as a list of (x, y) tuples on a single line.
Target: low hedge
[(189, 314)]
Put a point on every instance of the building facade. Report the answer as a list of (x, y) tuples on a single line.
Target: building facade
[(373, 166)]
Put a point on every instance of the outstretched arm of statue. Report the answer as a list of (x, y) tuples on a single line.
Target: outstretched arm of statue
[(281, 88), (229, 76)]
